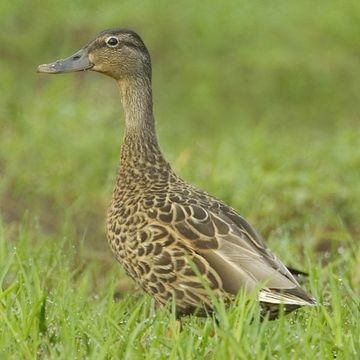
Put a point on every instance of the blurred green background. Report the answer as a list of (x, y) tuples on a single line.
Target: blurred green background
[(256, 102)]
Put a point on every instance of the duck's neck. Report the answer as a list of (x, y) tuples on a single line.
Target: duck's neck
[(136, 98), (140, 150)]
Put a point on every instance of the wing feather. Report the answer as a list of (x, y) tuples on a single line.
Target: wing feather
[(236, 252)]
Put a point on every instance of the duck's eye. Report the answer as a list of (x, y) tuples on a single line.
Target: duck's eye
[(112, 41)]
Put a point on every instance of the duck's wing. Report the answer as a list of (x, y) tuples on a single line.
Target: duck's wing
[(230, 246)]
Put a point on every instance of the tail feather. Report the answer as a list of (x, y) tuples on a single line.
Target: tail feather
[(286, 297), (291, 299)]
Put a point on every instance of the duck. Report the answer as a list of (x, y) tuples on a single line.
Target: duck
[(179, 243)]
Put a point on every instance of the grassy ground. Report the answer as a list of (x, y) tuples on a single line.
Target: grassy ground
[(256, 102)]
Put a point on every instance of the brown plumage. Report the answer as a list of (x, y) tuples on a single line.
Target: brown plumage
[(164, 231)]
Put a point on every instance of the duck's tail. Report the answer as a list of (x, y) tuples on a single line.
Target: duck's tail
[(272, 300)]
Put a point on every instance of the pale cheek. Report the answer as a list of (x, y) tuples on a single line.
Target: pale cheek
[(98, 67), (91, 58)]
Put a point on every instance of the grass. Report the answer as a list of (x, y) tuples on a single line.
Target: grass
[(257, 103), (57, 303)]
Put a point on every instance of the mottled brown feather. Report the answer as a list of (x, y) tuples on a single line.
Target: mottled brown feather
[(174, 240)]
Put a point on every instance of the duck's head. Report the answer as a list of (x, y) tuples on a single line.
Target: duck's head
[(118, 53)]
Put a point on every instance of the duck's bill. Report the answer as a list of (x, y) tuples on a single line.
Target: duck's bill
[(77, 62)]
